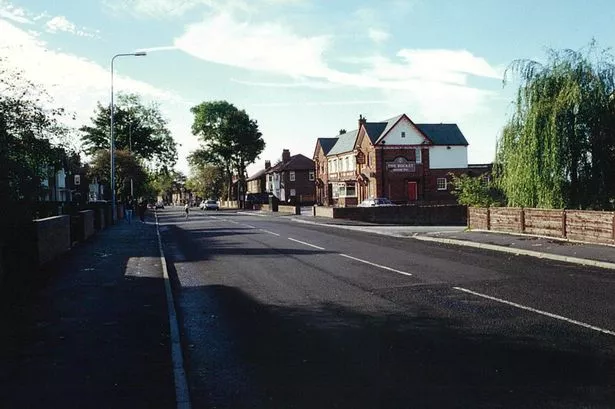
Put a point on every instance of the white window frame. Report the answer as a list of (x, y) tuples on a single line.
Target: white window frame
[(335, 193), (293, 192), (291, 175), (341, 189), (439, 185), (311, 176)]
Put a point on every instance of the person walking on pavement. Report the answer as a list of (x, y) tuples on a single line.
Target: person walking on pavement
[(142, 209), (129, 206), (187, 210)]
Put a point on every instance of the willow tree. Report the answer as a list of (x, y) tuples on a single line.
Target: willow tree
[(558, 149)]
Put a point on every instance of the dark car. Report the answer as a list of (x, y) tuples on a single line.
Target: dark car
[(257, 198)]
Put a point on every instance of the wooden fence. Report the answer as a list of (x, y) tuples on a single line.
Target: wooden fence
[(580, 225)]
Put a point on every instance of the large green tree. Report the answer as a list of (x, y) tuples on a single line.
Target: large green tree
[(206, 181), (230, 139), (558, 149), (127, 168), (27, 128), (138, 128)]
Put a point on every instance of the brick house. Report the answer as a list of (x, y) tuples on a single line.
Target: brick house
[(292, 179), (257, 183), (395, 158)]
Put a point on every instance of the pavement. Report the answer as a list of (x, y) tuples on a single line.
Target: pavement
[(92, 329), (72, 338)]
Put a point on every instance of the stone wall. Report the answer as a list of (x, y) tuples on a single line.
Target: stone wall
[(52, 237)]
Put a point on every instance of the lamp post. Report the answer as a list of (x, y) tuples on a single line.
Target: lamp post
[(113, 211)]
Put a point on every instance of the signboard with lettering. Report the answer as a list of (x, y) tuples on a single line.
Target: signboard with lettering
[(360, 157), (401, 164)]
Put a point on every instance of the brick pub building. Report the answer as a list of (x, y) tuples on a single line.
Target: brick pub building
[(395, 158)]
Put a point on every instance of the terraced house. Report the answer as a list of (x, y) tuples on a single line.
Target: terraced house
[(394, 158)]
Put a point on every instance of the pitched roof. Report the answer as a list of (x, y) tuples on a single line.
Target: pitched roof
[(438, 134), (443, 134), (345, 143), (391, 122), (296, 162), (375, 129), (257, 175), (326, 144)]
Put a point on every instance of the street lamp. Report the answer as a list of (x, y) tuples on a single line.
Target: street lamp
[(113, 211)]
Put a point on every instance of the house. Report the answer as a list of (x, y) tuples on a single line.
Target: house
[(257, 183), (394, 158), (292, 179)]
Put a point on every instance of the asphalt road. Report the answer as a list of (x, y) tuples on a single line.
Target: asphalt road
[(279, 314)]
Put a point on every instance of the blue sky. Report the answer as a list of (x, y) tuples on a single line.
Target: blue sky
[(302, 68)]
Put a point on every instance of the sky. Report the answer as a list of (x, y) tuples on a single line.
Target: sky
[(303, 69)]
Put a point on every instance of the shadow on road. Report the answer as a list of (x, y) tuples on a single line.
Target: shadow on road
[(242, 353)]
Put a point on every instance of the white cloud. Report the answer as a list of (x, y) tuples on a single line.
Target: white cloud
[(268, 47), (14, 13), (378, 36), (73, 82), (176, 8), (61, 23), (433, 82)]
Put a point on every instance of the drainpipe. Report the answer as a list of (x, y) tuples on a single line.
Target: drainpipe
[(383, 168)]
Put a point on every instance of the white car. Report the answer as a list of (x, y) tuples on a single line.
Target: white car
[(376, 202), (209, 205)]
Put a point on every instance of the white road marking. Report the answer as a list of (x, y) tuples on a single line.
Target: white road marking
[(270, 232), (376, 265), (182, 393), (307, 244), (547, 314), (249, 226)]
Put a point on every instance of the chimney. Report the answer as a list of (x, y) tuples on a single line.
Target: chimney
[(362, 121), (285, 155), (267, 164)]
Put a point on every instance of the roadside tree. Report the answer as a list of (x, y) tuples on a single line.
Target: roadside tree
[(230, 140), (138, 128), (558, 149)]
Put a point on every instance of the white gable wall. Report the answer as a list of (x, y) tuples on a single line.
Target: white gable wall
[(413, 136), (442, 158)]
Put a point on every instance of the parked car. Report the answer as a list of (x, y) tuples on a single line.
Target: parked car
[(376, 202), (257, 198), (209, 205)]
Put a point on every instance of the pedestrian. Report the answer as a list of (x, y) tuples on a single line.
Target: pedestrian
[(187, 209), (129, 207), (142, 209)]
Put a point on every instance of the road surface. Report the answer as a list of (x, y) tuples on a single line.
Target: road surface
[(279, 314)]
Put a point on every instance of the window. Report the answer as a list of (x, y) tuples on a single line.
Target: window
[(311, 175), (441, 182), (351, 191), (344, 190), (418, 155), (293, 192), (292, 175), (403, 134), (335, 190), (346, 163)]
